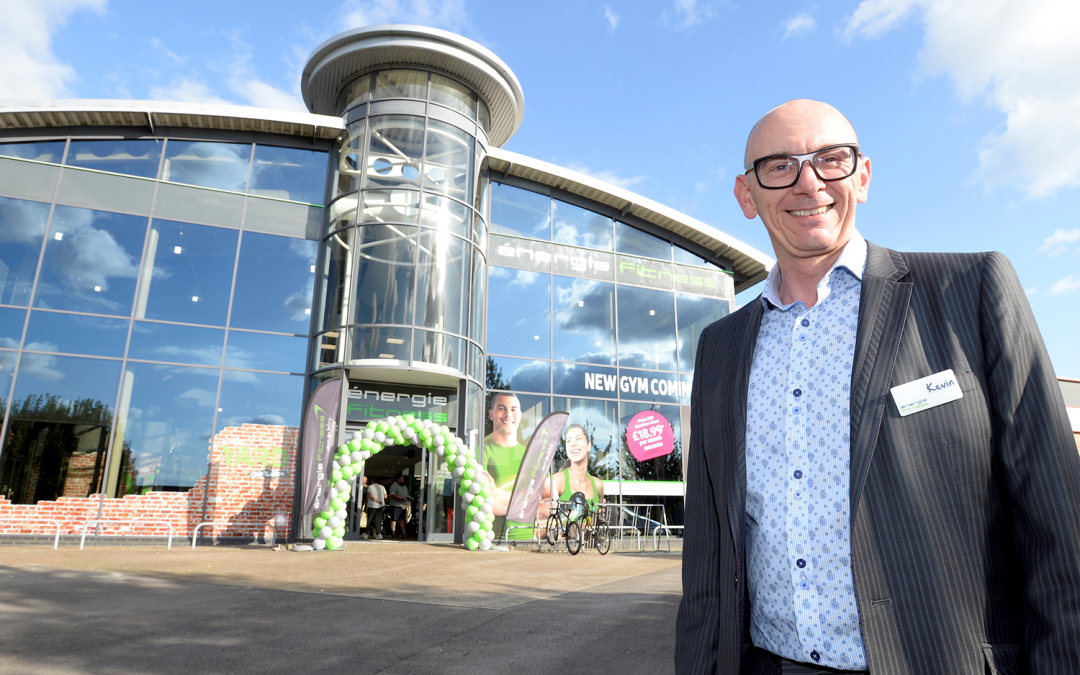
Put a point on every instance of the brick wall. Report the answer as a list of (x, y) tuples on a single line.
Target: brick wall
[(250, 483)]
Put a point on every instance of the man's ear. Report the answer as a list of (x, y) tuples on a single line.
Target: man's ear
[(863, 178), (745, 197)]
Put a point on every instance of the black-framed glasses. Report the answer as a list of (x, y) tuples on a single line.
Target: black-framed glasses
[(836, 162)]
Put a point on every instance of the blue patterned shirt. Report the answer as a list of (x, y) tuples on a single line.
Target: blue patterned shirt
[(798, 449)]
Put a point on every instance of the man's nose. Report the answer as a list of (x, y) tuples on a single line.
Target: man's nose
[(808, 181)]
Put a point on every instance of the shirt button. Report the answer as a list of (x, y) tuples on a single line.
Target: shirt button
[(797, 410), (798, 473), (806, 323), (800, 563), (805, 585), (798, 495), (814, 655), (797, 392)]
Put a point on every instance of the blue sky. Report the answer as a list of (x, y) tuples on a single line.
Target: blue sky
[(968, 109)]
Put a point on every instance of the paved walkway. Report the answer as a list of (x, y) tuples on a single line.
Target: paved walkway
[(386, 607)]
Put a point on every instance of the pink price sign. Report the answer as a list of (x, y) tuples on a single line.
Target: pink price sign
[(649, 435)]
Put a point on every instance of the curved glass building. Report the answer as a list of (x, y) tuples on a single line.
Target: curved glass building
[(176, 279)]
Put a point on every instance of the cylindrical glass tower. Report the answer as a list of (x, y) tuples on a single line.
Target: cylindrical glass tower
[(400, 294)]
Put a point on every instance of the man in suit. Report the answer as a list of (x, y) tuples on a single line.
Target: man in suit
[(827, 532)]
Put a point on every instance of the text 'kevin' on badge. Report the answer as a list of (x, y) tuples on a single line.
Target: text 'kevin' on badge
[(926, 393)]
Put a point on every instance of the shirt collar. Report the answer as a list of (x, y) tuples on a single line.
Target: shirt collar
[(852, 259)]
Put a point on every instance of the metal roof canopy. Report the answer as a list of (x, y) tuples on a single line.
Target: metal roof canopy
[(340, 59), (748, 262), (38, 114)]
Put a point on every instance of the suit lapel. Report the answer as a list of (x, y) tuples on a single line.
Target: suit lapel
[(883, 306), (735, 463)]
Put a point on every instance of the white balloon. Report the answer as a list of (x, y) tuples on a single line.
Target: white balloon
[(341, 486), (479, 517), (326, 532), (445, 429), (356, 457), (459, 471), (485, 544), (475, 487), (365, 454), (402, 424), (379, 437), (472, 527), (333, 493), (487, 507), (440, 450), (389, 440), (439, 440), (490, 534), (356, 435), (391, 420), (319, 544), (340, 513), (460, 460), (369, 434), (409, 432), (333, 523)]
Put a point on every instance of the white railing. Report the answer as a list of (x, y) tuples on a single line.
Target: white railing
[(195, 532), (56, 540), (82, 540)]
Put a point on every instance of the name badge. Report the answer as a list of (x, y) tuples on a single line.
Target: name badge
[(926, 393)]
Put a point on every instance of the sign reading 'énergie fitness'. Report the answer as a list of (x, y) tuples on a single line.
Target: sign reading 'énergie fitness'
[(379, 400)]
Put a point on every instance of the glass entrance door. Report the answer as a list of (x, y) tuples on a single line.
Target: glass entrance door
[(439, 497)]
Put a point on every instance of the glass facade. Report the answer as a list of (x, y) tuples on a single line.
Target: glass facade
[(157, 292), (161, 311), (403, 256), (601, 319)]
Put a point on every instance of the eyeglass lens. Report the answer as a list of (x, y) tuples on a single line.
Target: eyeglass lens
[(829, 164)]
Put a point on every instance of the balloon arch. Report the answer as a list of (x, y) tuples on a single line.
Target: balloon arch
[(329, 525)]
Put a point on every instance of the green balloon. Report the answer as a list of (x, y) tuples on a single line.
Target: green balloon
[(354, 445), (484, 492), (327, 514), (425, 434), (317, 523), (332, 543), (371, 425), (337, 504), (465, 483), (469, 512), (468, 475), (471, 544), (347, 473), (487, 526), (383, 427), (339, 532), (491, 518), (335, 475)]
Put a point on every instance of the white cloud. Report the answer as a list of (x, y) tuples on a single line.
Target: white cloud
[(615, 179), (686, 13), (1059, 241), (612, 17), (797, 25), (29, 69), (243, 84), (186, 89), (1022, 56), (446, 14), (159, 46), (1031, 290), (1069, 284)]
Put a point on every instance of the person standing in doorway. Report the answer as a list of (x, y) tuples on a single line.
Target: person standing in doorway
[(399, 501), (376, 502)]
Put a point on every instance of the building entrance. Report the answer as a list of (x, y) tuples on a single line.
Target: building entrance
[(431, 495), (429, 481)]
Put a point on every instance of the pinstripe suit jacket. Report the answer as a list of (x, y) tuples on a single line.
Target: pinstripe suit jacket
[(965, 522)]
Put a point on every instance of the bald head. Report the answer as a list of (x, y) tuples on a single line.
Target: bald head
[(794, 120)]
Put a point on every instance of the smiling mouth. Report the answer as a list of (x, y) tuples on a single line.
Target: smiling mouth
[(813, 212)]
